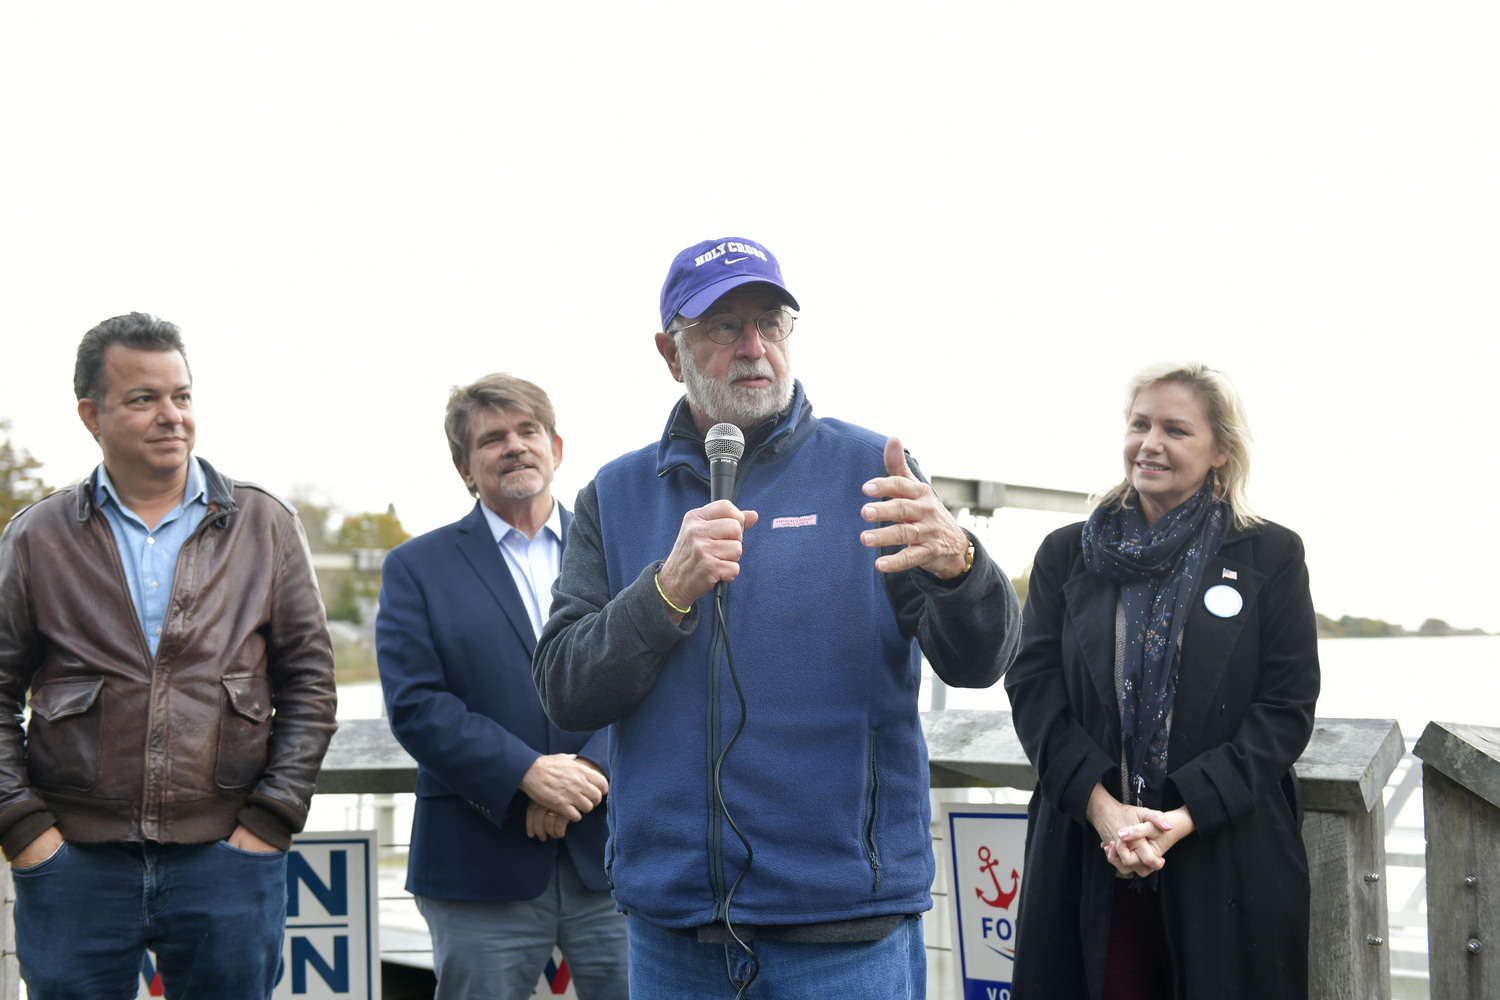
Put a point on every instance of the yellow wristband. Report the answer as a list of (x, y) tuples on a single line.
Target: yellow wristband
[(664, 597)]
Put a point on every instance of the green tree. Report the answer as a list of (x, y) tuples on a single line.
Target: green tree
[(347, 592), (340, 597), (1327, 627), (19, 483), (370, 531), (314, 517)]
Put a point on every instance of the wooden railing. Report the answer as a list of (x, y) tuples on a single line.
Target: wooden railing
[(1344, 771), (1461, 814)]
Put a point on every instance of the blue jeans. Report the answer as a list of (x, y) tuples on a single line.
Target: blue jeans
[(667, 966), (213, 914), (496, 949)]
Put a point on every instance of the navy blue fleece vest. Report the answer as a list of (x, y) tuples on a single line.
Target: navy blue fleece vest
[(829, 779)]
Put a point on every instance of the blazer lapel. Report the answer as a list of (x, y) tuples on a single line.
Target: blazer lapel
[(1209, 639), (1091, 607), (479, 549)]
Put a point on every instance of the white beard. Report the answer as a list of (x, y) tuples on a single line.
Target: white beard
[(522, 488), (723, 401)]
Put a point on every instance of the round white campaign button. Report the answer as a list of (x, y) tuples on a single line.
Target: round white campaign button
[(1223, 600)]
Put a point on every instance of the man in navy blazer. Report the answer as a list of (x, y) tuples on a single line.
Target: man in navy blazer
[(507, 844)]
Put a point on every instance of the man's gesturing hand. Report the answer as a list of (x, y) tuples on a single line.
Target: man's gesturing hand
[(708, 549), (565, 784), (933, 539)]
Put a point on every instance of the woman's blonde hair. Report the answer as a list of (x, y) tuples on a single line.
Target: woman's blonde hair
[(1226, 416)]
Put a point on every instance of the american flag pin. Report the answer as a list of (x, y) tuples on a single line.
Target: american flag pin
[(1230, 574)]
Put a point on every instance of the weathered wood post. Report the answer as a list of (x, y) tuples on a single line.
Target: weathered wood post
[(1343, 772), (10, 970), (1461, 814)]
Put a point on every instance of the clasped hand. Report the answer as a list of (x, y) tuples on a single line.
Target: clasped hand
[(711, 540), (562, 787), (1136, 839)]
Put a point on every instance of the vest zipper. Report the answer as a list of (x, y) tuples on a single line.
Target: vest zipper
[(715, 719), (872, 803), (715, 826)]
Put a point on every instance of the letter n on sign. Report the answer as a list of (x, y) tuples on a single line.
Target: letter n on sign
[(332, 946)]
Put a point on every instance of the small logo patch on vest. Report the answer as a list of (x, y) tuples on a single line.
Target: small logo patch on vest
[(804, 521)]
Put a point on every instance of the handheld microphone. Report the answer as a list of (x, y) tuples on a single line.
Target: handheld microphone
[(725, 444)]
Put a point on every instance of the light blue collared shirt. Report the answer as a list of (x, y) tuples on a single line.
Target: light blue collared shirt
[(534, 562), (149, 555)]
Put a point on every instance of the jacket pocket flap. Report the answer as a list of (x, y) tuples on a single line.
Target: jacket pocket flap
[(250, 696), (60, 699)]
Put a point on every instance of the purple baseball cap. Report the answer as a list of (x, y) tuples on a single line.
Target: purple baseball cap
[(705, 271)]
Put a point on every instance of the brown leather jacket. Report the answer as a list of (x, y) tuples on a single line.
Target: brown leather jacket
[(226, 725)]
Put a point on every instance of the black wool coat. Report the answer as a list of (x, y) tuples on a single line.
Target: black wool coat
[(1234, 892)]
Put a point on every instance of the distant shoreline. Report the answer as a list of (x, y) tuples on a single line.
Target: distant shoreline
[(1349, 627), (1404, 634)]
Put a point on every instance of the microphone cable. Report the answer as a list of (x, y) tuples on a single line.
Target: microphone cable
[(724, 446), (719, 795)]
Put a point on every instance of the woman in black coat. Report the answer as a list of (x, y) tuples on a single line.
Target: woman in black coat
[(1165, 686)]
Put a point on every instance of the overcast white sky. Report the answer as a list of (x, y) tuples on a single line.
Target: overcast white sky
[(991, 214)]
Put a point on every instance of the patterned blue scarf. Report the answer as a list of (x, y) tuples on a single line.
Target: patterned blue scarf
[(1159, 568)]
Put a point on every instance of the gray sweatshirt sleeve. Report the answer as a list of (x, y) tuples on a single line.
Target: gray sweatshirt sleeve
[(969, 629), (599, 657)]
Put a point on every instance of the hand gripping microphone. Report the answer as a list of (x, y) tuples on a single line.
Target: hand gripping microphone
[(724, 444)]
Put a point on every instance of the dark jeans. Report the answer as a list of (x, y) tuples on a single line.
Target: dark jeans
[(213, 914), (667, 966)]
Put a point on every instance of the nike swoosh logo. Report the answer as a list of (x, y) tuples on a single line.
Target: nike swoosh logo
[(734, 260)]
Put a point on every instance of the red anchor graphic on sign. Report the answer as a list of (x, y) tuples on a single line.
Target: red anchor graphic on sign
[(1002, 898)]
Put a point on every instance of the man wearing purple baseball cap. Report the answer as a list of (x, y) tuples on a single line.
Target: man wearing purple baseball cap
[(769, 810)]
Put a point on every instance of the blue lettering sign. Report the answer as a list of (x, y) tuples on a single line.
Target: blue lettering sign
[(304, 954), (333, 895), (999, 925)]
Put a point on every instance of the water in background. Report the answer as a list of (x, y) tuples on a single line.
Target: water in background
[(1412, 679)]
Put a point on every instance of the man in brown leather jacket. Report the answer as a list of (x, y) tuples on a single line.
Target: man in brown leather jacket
[(167, 625)]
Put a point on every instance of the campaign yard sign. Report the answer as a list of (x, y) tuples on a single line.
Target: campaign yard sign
[(557, 979), (331, 950), (332, 946), (986, 847)]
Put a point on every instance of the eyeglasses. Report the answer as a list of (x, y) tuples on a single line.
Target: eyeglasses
[(775, 325)]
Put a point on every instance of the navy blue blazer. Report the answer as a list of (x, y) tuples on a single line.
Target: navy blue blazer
[(454, 645)]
